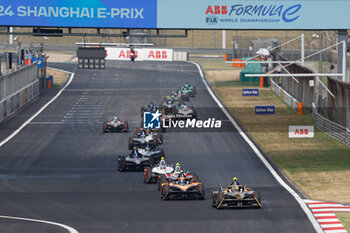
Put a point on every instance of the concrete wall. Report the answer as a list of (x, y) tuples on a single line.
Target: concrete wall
[(17, 89)]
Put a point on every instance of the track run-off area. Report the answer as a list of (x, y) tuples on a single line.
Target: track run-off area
[(60, 168)]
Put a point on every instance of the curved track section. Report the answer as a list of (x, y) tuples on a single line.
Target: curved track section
[(62, 168)]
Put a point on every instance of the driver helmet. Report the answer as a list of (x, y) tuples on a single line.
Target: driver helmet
[(162, 163), (177, 168), (135, 152), (115, 118)]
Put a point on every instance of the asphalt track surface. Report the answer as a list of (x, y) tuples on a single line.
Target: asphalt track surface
[(62, 168)]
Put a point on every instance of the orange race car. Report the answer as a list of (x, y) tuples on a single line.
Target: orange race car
[(182, 187)]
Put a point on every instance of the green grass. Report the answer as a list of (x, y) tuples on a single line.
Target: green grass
[(311, 163), (236, 84), (212, 64), (345, 220)]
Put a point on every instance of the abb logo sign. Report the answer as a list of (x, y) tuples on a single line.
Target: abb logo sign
[(140, 54), (126, 54), (157, 54), (301, 131), (216, 10)]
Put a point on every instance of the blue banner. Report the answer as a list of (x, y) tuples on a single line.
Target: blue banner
[(265, 110), (254, 14), (179, 14), (79, 13), (250, 92)]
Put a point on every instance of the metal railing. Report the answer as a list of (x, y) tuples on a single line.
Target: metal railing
[(287, 98), (15, 81), (329, 127)]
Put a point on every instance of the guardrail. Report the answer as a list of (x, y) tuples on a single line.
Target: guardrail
[(287, 98), (16, 80), (329, 127)]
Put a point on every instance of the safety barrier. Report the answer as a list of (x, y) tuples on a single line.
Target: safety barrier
[(14, 81), (329, 127), (17, 89), (287, 98), (180, 56)]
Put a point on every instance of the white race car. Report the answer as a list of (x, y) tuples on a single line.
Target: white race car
[(151, 174)]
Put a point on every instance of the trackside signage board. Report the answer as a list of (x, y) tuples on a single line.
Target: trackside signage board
[(301, 131), (250, 92), (265, 110), (254, 14), (140, 54), (79, 13), (181, 14)]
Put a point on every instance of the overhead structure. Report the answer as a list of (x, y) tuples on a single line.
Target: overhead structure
[(179, 14)]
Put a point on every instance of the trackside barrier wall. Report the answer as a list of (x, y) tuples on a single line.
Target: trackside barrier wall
[(180, 56), (287, 98), (17, 89), (329, 127)]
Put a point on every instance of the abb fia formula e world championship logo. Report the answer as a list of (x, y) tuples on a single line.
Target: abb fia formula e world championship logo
[(252, 13)]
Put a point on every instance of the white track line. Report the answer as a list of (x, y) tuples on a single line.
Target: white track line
[(37, 113), (302, 204), (68, 228)]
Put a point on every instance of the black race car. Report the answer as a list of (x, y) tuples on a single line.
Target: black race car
[(134, 162)]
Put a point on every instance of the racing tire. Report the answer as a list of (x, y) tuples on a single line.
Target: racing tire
[(213, 203), (121, 164), (105, 128), (126, 126), (160, 138), (155, 141), (195, 177), (194, 91), (201, 190), (148, 175), (219, 199), (161, 180), (164, 192), (131, 142), (151, 161), (258, 197)]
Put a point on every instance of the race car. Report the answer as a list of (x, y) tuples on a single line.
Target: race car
[(187, 88), (184, 96), (166, 178), (182, 187), (169, 105), (156, 132), (134, 162), (151, 174), (151, 107), (155, 153), (185, 112), (115, 125), (141, 140), (237, 196)]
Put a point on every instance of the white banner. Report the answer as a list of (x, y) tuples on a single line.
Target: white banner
[(142, 54), (301, 131)]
